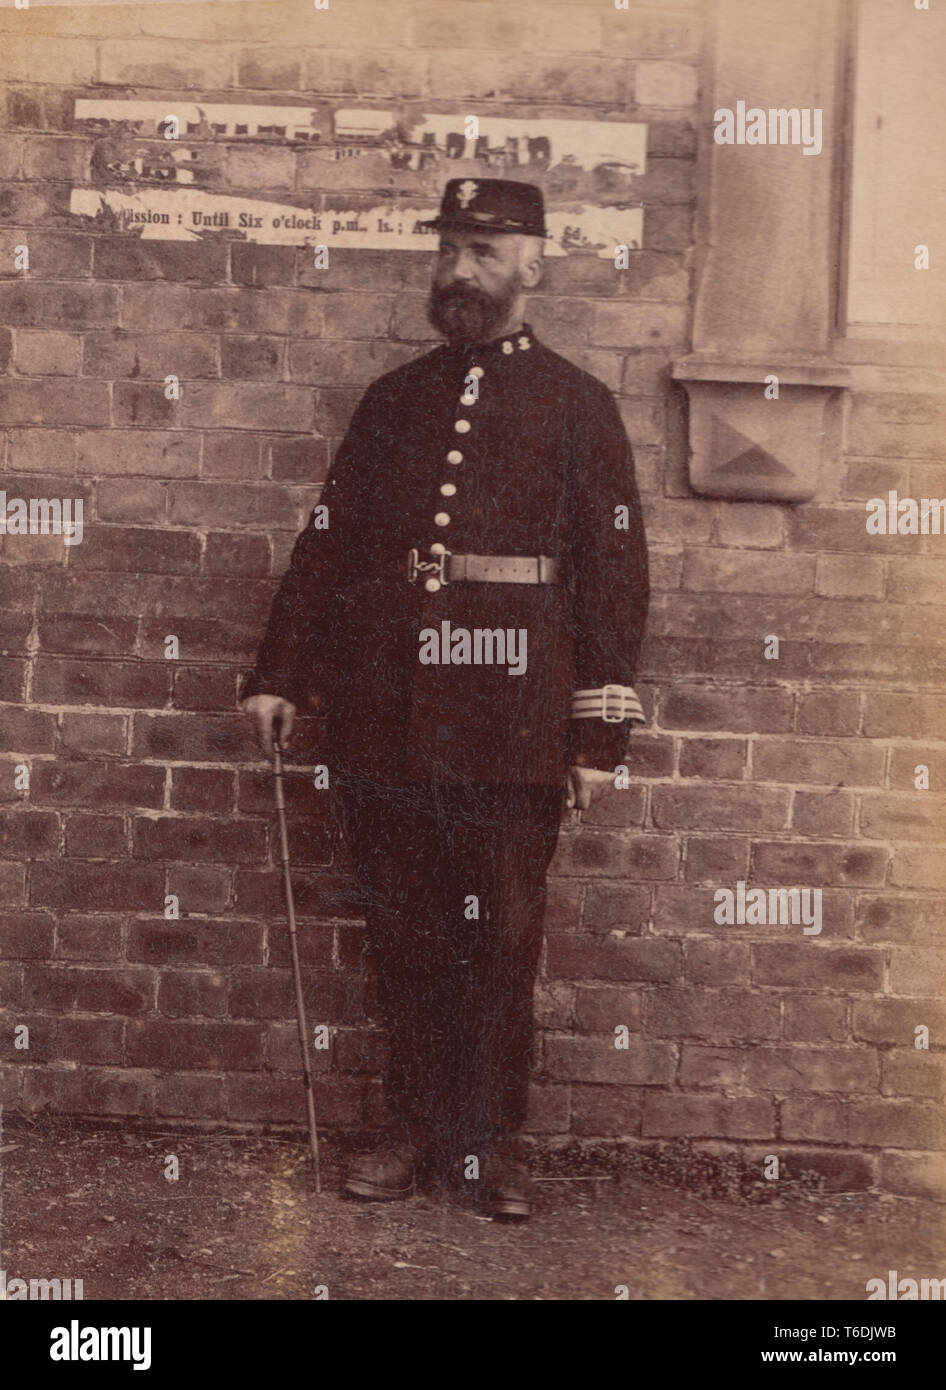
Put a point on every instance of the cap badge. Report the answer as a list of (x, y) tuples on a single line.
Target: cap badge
[(466, 193)]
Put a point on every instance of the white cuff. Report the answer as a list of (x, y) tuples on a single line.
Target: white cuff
[(612, 703)]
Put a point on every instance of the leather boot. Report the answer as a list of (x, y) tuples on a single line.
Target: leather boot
[(385, 1174), (507, 1190)]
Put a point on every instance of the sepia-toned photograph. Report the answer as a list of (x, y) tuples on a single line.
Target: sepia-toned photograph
[(472, 667)]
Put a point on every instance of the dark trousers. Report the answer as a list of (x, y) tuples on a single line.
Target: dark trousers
[(452, 878)]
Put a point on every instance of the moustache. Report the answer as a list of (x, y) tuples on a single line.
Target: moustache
[(463, 295)]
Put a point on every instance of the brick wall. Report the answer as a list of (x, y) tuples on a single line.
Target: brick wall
[(144, 781)]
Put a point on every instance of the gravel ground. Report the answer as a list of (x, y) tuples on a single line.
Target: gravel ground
[(243, 1221)]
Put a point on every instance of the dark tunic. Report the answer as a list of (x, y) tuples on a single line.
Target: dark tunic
[(540, 470)]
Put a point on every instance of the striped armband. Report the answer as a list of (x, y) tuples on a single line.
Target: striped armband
[(612, 703)]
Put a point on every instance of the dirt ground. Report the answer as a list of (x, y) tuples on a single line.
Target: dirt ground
[(243, 1222)]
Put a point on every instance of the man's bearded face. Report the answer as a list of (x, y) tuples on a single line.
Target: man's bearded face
[(476, 283)]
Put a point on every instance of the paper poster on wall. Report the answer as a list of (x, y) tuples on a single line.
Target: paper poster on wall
[(356, 177)]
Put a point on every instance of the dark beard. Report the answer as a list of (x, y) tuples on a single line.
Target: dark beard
[(465, 314)]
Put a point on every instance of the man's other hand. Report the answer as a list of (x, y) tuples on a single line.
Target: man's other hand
[(265, 713), (585, 785)]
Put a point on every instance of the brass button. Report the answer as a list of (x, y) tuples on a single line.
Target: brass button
[(447, 489), (431, 585), (454, 456), (438, 548), (442, 519), (467, 399), (462, 426), (477, 372)]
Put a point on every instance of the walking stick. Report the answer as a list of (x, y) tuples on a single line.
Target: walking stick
[(296, 973)]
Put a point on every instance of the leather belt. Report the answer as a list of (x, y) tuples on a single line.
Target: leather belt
[(448, 568)]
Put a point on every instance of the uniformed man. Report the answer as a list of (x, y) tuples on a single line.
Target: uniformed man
[(469, 619)]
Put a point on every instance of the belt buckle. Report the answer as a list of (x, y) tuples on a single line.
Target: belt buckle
[(619, 690), (436, 568)]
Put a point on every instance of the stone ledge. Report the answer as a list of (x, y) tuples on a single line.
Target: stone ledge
[(791, 371), (757, 429)]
